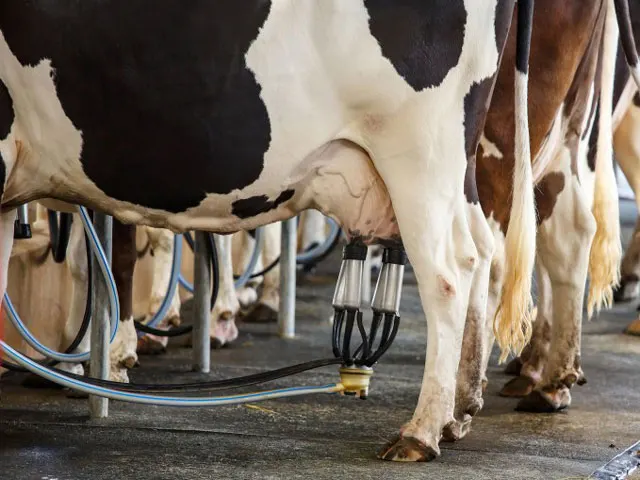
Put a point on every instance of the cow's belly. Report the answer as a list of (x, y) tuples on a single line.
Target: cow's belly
[(338, 179), (182, 179)]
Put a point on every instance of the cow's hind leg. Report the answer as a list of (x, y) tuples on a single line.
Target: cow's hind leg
[(439, 244), (629, 287), (470, 371), (266, 310), (533, 362), (161, 246), (223, 315), (626, 143), (123, 354), (564, 242), (242, 248)]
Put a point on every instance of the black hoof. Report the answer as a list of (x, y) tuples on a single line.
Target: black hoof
[(37, 382), (517, 387), (407, 449), (537, 402), (261, 313), (514, 367)]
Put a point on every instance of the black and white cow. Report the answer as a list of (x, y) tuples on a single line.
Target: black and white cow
[(219, 116)]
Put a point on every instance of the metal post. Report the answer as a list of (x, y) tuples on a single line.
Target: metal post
[(100, 325), (366, 278), (201, 300), (287, 314)]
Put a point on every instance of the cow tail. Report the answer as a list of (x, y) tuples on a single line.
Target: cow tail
[(627, 40), (606, 249), (512, 324)]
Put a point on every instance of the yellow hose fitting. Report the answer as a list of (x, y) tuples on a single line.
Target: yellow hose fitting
[(355, 381)]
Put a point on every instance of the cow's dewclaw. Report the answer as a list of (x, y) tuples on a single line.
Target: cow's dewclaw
[(518, 387)]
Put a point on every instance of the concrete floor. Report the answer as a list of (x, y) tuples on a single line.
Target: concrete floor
[(46, 436)]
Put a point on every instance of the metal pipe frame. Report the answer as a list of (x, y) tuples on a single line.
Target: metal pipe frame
[(287, 314), (201, 307), (100, 325)]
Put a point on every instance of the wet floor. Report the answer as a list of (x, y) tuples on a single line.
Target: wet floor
[(44, 435)]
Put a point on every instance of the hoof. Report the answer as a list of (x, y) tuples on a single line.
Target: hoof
[(513, 367), (118, 374), (150, 345), (129, 362), (36, 382), (247, 296), (518, 387), (224, 332), (407, 449), (539, 401), (261, 313), (457, 430)]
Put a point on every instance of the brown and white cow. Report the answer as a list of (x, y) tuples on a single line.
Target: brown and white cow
[(627, 151), (571, 91), (625, 124)]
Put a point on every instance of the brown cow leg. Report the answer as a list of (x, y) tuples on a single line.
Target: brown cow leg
[(469, 383), (123, 349), (627, 148), (629, 287), (266, 310), (538, 349), (564, 243), (161, 245)]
